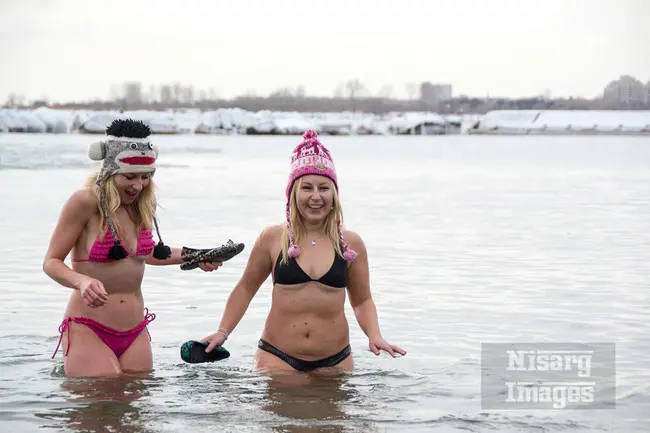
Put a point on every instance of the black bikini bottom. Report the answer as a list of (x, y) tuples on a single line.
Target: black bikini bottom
[(302, 365)]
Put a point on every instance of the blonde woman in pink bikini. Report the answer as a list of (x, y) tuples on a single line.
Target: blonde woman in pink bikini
[(106, 227)]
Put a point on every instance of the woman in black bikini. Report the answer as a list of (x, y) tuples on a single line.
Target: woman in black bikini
[(312, 261)]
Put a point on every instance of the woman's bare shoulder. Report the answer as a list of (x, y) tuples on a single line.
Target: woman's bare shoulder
[(83, 200), (271, 233), (352, 238)]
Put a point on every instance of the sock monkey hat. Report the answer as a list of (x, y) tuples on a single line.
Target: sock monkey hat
[(127, 148), (312, 157)]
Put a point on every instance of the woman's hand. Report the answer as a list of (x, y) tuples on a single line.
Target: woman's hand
[(210, 266), (93, 292), (378, 343), (216, 339)]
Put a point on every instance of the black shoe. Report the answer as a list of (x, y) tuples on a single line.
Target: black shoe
[(194, 352)]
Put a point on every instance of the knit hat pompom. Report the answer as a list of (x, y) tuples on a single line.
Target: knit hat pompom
[(96, 151), (294, 251), (349, 255)]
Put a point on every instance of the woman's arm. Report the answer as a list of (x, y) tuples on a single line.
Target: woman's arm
[(174, 259), (74, 216), (257, 270), (359, 287), (361, 300)]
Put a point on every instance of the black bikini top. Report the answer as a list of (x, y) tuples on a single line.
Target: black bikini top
[(291, 273)]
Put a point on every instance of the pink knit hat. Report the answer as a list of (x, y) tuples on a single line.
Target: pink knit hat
[(311, 157)]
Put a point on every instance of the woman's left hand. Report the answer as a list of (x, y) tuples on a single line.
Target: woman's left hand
[(210, 266), (376, 344)]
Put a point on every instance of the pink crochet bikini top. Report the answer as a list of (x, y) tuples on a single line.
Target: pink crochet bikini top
[(99, 250)]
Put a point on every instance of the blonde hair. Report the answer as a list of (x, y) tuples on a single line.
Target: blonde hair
[(298, 226), (144, 206)]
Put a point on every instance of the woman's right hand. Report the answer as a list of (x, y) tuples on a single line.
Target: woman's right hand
[(216, 339), (93, 292)]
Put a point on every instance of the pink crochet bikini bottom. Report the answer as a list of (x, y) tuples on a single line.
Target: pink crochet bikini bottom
[(118, 341)]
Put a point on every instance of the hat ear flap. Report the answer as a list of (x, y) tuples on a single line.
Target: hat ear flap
[(96, 151)]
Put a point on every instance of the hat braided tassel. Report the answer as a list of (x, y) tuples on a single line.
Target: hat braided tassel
[(294, 250), (117, 251), (348, 254), (161, 251)]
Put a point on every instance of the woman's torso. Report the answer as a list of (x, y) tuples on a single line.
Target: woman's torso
[(307, 319), (121, 278)]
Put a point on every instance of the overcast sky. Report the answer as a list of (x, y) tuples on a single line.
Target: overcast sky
[(75, 50)]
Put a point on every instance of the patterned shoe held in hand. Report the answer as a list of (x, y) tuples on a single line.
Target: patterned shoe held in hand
[(193, 352), (191, 257)]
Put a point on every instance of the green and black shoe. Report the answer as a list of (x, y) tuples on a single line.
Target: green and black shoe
[(193, 352)]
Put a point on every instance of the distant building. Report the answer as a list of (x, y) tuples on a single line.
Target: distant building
[(435, 93), (627, 90)]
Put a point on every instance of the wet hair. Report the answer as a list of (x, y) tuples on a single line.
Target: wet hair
[(128, 128)]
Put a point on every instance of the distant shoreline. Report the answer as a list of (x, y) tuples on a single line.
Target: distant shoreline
[(370, 105)]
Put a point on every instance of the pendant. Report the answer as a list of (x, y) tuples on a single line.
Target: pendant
[(313, 242)]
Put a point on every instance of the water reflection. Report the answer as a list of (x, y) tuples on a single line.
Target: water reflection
[(309, 403), (106, 404)]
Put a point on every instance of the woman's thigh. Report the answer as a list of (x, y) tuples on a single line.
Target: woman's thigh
[(265, 361), (87, 356), (345, 366), (138, 357)]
